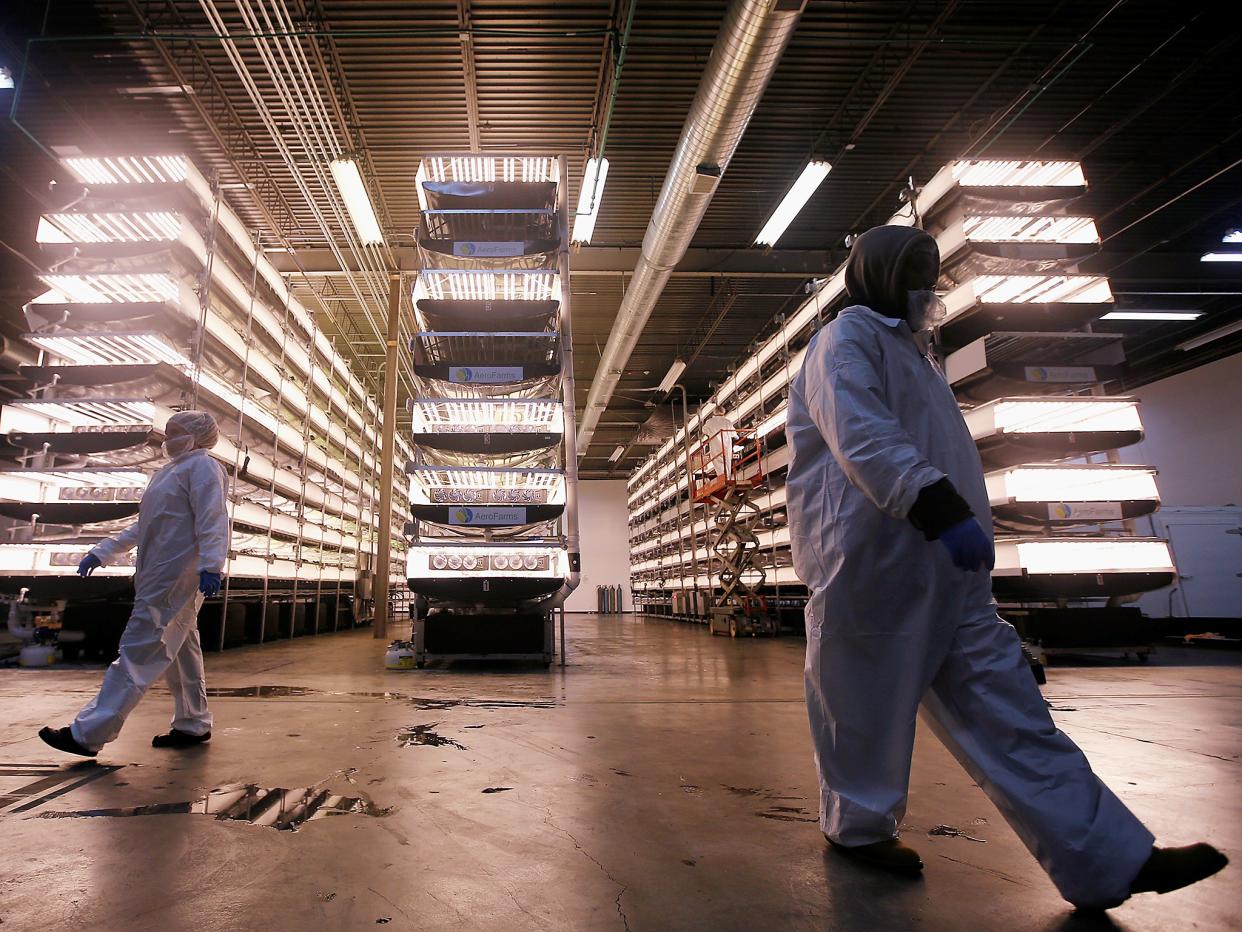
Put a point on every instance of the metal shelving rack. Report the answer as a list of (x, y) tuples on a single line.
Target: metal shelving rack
[(1027, 371), (160, 299), (493, 478)]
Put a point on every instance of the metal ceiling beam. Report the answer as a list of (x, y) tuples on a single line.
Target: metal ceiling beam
[(618, 260)]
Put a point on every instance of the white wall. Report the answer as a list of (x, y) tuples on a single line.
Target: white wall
[(1193, 424), (603, 521)]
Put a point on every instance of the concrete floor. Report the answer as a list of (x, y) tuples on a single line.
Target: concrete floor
[(663, 781)]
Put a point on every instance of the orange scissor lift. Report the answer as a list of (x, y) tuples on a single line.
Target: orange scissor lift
[(725, 472)]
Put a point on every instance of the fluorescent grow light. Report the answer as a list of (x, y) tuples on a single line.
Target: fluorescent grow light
[(130, 288), (78, 416), (471, 485), (72, 485), (794, 200), (451, 285), (93, 228), (109, 349), (1036, 289), (989, 173), (1055, 556), (1072, 484), (126, 169), (1061, 415), (357, 202), (589, 199), (1221, 257), (773, 422), (470, 415), (1233, 236), (1024, 229), (1152, 315), (487, 168)]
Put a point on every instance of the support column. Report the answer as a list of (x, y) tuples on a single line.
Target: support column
[(383, 547)]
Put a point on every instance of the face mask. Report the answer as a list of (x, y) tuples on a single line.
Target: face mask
[(178, 445), (924, 310)]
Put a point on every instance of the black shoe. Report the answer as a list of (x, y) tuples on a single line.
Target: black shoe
[(1171, 869), (892, 855), (179, 739), (62, 739)]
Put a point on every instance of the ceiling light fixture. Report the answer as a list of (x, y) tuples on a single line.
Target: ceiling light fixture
[(1210, 337), (349, 182), (810, 179), (589, 199), (617, 454), (1152, 315), (673, 374), (1221, 257)]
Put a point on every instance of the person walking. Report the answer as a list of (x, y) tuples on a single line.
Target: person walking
[(892, 534), (182, 536)]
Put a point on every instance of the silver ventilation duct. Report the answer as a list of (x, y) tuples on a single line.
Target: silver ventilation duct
[(751, 41)]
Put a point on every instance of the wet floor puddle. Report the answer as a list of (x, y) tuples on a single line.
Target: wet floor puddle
[(419, 702), (425, 736), (274, 807)]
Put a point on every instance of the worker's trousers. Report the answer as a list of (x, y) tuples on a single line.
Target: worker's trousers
[(979, 696), (157, 642)]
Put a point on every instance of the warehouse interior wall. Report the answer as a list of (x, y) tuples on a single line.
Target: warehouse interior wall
[(1193, 436), (1193, 427), (603, 522)]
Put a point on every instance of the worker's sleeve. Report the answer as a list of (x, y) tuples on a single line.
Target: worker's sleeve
[(211, 516), (108, 550), (845, 397)]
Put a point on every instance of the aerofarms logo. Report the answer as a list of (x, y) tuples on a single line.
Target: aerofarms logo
[(463, 515), (461, 374)]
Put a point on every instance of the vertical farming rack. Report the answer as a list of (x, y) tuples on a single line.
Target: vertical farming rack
[(493, 478)]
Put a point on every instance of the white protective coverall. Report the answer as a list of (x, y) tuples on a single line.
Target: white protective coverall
[(182, 529), (892, 623)]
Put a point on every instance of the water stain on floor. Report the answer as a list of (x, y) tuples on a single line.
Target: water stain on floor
[(275, 807), (425, 736), (425, 703)]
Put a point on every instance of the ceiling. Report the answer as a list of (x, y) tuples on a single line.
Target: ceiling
[(1144, 93)]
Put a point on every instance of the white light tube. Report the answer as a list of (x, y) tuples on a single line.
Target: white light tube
[(95, 228), (349, 182), (589, 199), (1233, 236), (812, 176), (1072, 484), (673, 374), (1121, 555), (1030, 229), (616, 454), (138, 169), (1152, 315), (1064, 415), (1221, 257), (986, 173)]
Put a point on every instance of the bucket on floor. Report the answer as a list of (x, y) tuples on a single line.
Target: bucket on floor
[(400, 656), (37, 655)]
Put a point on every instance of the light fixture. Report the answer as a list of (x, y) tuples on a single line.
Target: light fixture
[(1079, 414), (1233, 236), (1038, 289), (617, 453), (1221, 257), (1152, 315), (589, 199), (94, 228), (812, 176), (986, 173), (475, 415), (1087, 556), (452, 285), (349, 182), (671, 377), (774, 422), (131, 288), (1210, 337), (6, 79), (1072, 484), (487, 168), (1030, 229), (138, 169)]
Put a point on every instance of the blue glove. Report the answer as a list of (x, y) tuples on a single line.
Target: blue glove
[(209, 583), (89, 564), (969, 546)]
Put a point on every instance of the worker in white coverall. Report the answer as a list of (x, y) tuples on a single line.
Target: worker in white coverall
[(891, 532), (182, 536)]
